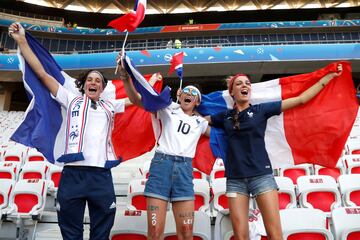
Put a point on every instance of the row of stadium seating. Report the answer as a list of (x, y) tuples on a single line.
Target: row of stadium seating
[(301, 188), (56, 45), (26, 199)]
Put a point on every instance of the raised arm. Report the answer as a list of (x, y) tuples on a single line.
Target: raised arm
[(310, 92), (133, 96), (17, 32)]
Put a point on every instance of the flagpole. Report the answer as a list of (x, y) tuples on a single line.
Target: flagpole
[(122, 51), (181, 80)]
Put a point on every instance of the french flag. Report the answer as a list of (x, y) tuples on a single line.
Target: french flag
[(43, 126), (130, 21), (315, 132), (177, 64)]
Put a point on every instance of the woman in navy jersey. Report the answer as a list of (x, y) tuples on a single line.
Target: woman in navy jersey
[(248, 168), (171, 171)]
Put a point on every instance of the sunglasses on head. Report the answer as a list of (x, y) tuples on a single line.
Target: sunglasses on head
[(190, 91)]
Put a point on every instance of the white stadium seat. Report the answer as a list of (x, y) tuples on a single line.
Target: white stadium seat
[(27, 200), (349, 185), (304, 223), (220, 201), (318, 191), (6, 186), (135, 196), (129, 225), (34, 170), (346, 223), (296, 171), (9, 170), (352, 163), (34, 155), (202, 195), (287, 195), (54, 176)]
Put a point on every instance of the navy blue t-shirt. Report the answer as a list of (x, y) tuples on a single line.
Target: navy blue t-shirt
[(246, 153)]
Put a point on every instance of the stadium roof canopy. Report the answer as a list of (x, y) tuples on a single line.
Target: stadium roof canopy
[(189, 6)]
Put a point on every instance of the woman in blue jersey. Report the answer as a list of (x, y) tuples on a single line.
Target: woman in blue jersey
[(86, 177), (248, 168), (171, 171)]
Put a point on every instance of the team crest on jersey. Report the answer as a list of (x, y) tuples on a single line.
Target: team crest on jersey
[(250, 114)]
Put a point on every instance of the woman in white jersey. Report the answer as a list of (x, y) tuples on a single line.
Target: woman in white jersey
[(86, 177), (171, 171)]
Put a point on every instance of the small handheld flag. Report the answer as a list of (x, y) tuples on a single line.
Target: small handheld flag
[(130, 21)]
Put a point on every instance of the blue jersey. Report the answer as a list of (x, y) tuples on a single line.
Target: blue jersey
[(246, 153)]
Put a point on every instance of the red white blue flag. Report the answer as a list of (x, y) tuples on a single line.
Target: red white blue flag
[(130, 21), (177, 64)]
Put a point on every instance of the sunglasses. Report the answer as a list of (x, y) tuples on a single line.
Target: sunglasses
[(236, 121), (191, 91)]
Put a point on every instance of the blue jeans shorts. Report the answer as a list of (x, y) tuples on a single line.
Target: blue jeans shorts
[(251, 186), (170, 178)]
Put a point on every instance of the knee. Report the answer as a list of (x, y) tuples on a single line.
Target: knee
[(155, 233), (185, 234)]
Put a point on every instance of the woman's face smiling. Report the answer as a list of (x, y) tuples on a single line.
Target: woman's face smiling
[(241, 89), (94, 86)]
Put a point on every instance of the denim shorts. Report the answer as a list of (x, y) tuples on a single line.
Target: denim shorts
[(170, 178), (251, 186)]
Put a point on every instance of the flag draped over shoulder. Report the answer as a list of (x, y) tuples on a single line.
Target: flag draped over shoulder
[(154, 101), (44, 123), (132, 20), (315, 132)]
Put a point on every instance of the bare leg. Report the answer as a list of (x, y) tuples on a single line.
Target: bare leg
[(156, 215), (269, 206), (184, 218), (239, 215)]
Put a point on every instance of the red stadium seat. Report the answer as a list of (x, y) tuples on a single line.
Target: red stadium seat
[(135, 196), (296, 171), (128, 236)]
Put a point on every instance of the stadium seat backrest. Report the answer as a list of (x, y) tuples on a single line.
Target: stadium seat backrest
[(132, 225), (9, 170), (135, 196), (218, 172), (352, 163), (349, 185), (296, 171), (34, 170), (198, 174), (55, 175), (346, 223), (14, 154), (6, 186), (333, 172), (28, 197), (34, 155), (202, 195), (219, 191), (353, 144), (304, 223), (287, 196), (318, 191)]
